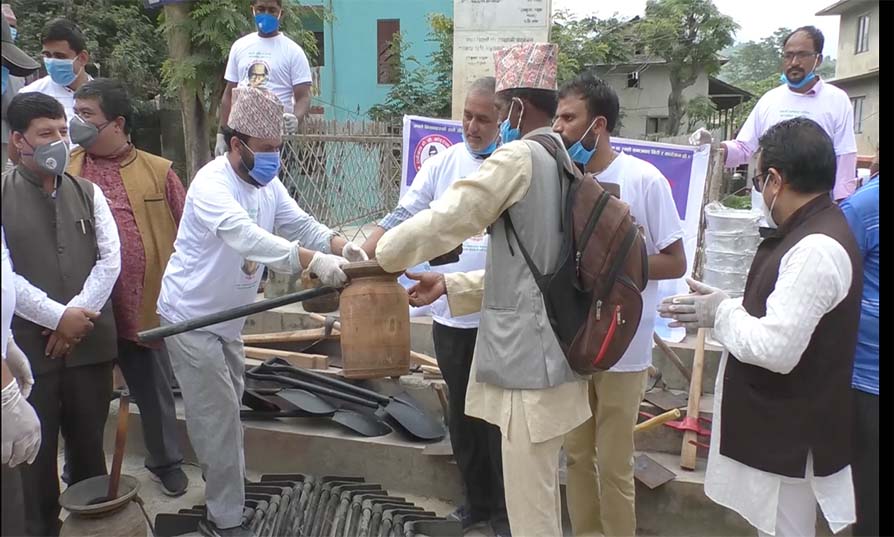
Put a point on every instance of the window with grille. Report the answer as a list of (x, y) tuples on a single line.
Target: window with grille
[(862, 34), (388, 56), (857, 103)]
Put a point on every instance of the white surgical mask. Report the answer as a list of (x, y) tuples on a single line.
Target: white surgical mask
[(768, 211)]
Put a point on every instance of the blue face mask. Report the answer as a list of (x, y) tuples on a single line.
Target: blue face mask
[(265, 166), (5, 79), (578, 152), (14, 32), (267, 23), (798, 85), (486, 152), (507, 133), (61, 71)]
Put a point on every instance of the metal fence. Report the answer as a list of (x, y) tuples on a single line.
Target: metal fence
[(347, 175)]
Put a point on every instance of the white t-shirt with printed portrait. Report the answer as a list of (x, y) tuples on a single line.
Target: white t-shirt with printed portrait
[(276, 63)]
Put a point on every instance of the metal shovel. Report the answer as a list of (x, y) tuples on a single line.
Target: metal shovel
[(414, 420), (362, 424)]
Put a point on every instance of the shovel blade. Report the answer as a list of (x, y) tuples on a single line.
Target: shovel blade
[(362, 424), (414, 421), (307, 402), (650, 473)]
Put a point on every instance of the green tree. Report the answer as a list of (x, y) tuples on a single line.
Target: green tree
[(423, 89), (586, 42), (688, 34), (121, 37), (755, 60), (699, 111), (199, 37)]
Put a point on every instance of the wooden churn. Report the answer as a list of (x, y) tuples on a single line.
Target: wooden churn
[(375, 323)]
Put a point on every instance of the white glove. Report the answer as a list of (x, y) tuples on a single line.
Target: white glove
[(327, 268), (353, 253), (221, 146), (701, 137), (20, 367), (290, 123), (21, 428), (696, 310)]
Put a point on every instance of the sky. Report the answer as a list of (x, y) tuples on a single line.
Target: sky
[(756, 18)]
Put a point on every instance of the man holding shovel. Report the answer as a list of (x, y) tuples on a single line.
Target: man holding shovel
[(232, 208)]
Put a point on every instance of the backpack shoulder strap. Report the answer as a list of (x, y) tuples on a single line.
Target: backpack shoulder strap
[(552, 146), (510, 228)]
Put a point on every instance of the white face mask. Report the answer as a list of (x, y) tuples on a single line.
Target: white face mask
[(768, 211)]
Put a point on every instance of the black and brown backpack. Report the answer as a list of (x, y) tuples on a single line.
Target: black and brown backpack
[(593, 295)]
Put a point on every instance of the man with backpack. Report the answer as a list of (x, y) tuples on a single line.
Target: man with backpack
[(602, 502), (476, 444), (521, 380)]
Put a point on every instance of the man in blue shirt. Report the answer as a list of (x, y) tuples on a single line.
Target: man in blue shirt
[(862, 212)]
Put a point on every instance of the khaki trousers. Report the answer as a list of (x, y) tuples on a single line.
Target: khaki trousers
[(531, 478), (601, 491)]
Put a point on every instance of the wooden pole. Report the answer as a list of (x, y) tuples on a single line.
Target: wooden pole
[(689, 450)]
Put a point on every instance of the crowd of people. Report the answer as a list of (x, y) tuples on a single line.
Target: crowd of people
[(101, 240)]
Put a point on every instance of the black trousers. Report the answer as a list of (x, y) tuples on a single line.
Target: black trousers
[(476, 443), (75, 402), (149, 376), (866, 464), (13, 521)]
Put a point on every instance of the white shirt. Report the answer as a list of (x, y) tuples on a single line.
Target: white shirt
[(814, 277), (435, 176), (225, 234), (651, 202), (34, 305), (826, 104), (9, 297), (278, 64), (63, 94)]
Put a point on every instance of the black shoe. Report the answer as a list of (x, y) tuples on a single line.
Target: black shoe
[(173, 482), (210, 529), (467, 517)]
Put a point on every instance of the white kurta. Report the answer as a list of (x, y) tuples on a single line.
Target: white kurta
[(814, 277)]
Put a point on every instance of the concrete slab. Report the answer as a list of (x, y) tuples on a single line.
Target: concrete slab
[(321, 447)]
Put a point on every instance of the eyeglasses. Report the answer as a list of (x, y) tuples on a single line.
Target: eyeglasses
[(801, 56), (759, 185)]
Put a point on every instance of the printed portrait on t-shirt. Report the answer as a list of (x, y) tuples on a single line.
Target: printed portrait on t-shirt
[(258, 73)]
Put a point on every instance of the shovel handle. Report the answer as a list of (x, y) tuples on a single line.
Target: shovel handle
[(313, 388), (672, 414), (329, 381), (120, 443), (230, 314)]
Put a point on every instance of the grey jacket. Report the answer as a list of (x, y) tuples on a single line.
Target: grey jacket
[(517, 348)]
